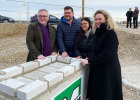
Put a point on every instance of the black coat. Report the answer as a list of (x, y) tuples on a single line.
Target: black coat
[(105, 74), (84, 48), (129, 15)]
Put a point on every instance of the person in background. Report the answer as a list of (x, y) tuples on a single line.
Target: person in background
[(135, 17), (105, 81), (41, 38), (129, 15), (67, 31), (85, 39)]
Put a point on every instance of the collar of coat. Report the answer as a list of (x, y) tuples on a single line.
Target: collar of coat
[(101, 30)]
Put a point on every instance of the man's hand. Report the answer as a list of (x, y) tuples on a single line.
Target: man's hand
[(54, 53), (64, 54), (41, 57)]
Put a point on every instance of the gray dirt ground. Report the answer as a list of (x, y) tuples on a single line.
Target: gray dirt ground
[(13, 48)]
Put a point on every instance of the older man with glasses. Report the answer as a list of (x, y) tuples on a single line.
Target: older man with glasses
[(41, 38)]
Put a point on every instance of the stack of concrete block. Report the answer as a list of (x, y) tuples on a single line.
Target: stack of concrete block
[(53, 57), (48, 69), (28, 80), (2, 78), (31, 90), (53, 78), (12, 71), (28, 66), (9, 86), (77, 64), (35, 75), (24, 79), (58, 65), (45, 61), (66, 60), (66, 70)]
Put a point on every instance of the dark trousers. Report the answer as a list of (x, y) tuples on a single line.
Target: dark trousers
[(135, 22), (128, 21)]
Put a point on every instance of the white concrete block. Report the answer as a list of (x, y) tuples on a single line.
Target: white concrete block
[(66, 60), (28, 66), (66, 70), (81, 59), (35, 74), (11, 71), (31, 90), (24, 80), (53, 57), (9, 86), (53, 78), (77, 64), (44, 61), (75, 59), (2, 78), (58, 65), (48, 69)]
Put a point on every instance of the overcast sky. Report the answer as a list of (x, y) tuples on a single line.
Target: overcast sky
[(117, 8)]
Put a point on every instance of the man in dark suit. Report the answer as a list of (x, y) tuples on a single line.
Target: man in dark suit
[(41, 38), (129, 15), (135, 17)]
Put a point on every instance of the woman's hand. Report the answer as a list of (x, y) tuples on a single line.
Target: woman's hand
[(78, 57), (85, 62)]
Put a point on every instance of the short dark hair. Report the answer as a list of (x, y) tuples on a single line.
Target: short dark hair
[(68, 7)]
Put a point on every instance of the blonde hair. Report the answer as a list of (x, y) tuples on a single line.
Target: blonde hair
[(111, 25)]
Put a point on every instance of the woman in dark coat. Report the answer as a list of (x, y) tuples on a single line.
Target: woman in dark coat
[(85, 39), (105, 73)]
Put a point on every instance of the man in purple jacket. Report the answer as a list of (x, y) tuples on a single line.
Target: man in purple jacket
[(67, 32), (41, 38)]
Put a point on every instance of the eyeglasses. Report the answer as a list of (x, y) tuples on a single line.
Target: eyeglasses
[(84, 23), (40, 16)]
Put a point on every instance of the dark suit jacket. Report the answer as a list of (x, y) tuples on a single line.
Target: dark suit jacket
[(34, 41)]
